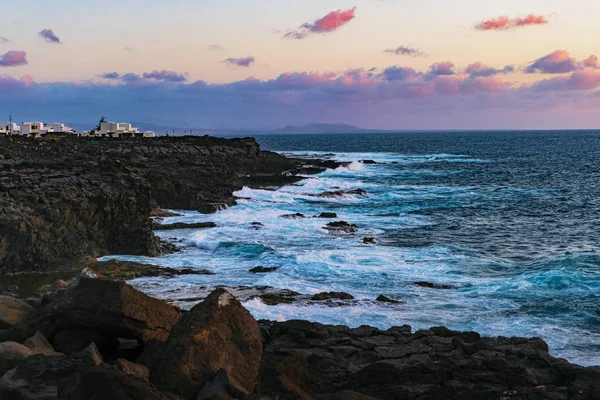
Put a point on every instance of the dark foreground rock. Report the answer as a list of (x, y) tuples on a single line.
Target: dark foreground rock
[(182, 225), (14, 312), (216, 334), (69, 199)]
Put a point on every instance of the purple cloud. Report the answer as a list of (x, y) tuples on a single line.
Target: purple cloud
[(328, 23), (166, 76), (406, 51), (479, 70), (110, 75), (591, 62), (13, 59), (558, 62), (49, 36), (445, 68), (240, 62), (395, 73), (216, 47)]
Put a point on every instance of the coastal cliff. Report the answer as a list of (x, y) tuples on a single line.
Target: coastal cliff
[(63, 200)]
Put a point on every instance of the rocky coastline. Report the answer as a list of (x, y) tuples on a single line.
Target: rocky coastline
[(72, 328)]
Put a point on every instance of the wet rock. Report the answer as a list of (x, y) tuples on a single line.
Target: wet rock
[(114, 308), (182, 225), (332, 296), (369, 240), (127, 270), (367, 162), (394, 162), (273, 299), (14, 312), (327, 215), (257, 225), (223, 387), (105, 382), (216, 334), (343, 193), (341, 227), (385, 299), (41, 377), (262, 270), (160, 213), (11, 355), (430, 285), (293, 216)]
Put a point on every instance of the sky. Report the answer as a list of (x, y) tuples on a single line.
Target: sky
[(381, 64)]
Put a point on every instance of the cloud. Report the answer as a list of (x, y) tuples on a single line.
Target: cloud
[(558, 62), (216, 47), (49, 36), (4, 40), (328, 23), (406, 51), (154, 76), (164, 75), (442, 69), (504, 23), (445, 96), (240, 62), (591, 62), (477, 69), (13, 59)]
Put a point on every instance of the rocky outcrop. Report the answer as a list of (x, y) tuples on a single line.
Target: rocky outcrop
[(69, 199), (216, 334), (14, 312), (182, 225), (341, 227), (114, 307)]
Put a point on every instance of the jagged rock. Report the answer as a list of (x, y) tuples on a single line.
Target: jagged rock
[(181, 225), (273, 299), (114, 308), (430, 285), (367, 162), (292, 216), (127, 270), (257, 225), (327, 215), (341, 227), (385, 299), (14, 312), (223, 387), (332, 296), (40, 345), (89, 273), (11, 355), (106, 382), (160, 213), (216, 334), (41, 377), (369, 240), (137, 371), (262, 270)]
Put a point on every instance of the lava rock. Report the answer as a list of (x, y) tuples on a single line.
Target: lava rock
[(430, 285), (332, 296), (262, 270), (341, 227), (114, 308), (273, 299), (385, 299), (216, 334), (327, 215), (293, 216), (223, 387), (369, 240), (14, 312), (182, 225)]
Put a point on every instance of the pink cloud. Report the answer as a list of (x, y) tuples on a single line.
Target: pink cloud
[(504, 23), (578, 80), (13, 59), (49, 36), (477, 69), (591, 62), (558, 62), (442, 69), (328, 23)]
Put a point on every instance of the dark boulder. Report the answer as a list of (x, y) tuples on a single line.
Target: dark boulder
[(14, 312), (343, 193), (41, 377), (273, 299), (332, 296), (74, 340), (369, 240), (223, 387), (40, 345), (257, 225), (385, 299), (216, 334), (327, 215), (137, 371), (114, 308), (430, 285), (263, 270), (367, 162), (341, 227), (12, 354), (182, 225), (105, 382), (292, 216)]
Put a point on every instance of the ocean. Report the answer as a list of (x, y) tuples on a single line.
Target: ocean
[(509, 220)]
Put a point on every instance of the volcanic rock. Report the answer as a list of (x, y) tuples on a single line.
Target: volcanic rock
[(369, 240), (14, 312), (332, 296), (262, 270), (216, 334), (114, 308), (430, 285), (292, 216), (385, 299), (341, 227), (181, 225), (327, 215)]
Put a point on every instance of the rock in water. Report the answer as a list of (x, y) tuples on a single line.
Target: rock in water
[(340, 227), (332, 296), (263, 270), (114, 308), (14, 312), (327, 215), (216, 334)]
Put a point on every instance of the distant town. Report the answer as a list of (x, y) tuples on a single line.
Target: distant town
[(104, 129)]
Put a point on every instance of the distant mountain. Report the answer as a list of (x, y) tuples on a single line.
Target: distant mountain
[(315, 127)]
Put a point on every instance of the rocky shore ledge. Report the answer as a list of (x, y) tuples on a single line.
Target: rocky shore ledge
[(70, 199), (102, 339)]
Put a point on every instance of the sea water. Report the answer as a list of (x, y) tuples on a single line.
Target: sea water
[(511, 220)]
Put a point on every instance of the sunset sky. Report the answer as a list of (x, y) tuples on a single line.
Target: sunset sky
[(385, 64)]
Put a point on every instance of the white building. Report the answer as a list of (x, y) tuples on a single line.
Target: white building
[(117, 129), (149, 134), (57, 127), (34, 128)]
